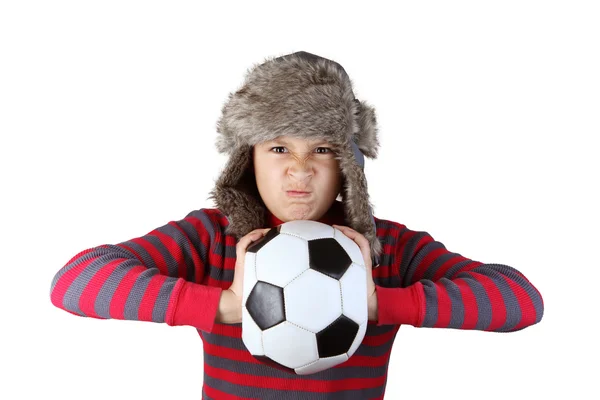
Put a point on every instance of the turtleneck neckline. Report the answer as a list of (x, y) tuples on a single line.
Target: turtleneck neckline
[(335, 215)]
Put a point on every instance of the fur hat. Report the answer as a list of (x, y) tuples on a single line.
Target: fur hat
[(305, 96)]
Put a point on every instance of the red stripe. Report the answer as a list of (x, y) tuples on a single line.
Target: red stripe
[(245, 356), (444, 306), (175, 250), (229, 262), (225, 263), (117, 303), (227, 330), (229, 353), (149, 297), (426, 263), (378, 340), (204, 237), (219, 395), (496, 300)]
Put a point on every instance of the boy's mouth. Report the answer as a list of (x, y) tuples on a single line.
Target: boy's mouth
[(296, 193)]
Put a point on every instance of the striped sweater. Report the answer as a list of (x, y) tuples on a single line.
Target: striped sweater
[(175, 275)]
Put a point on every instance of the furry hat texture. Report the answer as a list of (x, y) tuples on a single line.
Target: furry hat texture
[(305, 96)]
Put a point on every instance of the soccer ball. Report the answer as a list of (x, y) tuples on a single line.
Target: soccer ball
[(304, 297)]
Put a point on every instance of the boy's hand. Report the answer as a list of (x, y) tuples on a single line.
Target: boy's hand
[(230, 305), (365, 249)]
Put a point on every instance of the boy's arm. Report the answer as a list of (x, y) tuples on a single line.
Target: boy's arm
[(149, 278), (442, 289)]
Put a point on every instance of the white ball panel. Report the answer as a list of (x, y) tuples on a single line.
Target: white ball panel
[(354, 294), (269, 267), (307, 229), (360, 335), (350, 246), (322, 364), (313, 300), (251, 334), (249, 276), (289, 345)]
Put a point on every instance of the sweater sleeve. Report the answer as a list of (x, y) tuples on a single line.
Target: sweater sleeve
[(151, 278), (443, 289)]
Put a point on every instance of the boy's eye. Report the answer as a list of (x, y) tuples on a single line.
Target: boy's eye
[(325, 148)]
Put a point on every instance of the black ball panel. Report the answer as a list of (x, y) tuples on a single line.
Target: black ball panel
[(265, 305), (258, 244), (328, 257), (337, 338), (274, 364)]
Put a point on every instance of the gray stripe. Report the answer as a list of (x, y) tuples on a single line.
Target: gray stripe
[(431, 309), (162, 300), (221, 274), (432, 269), (407, 256), (385, 223), (421, 254), (201, 248), (511, 304), (456, 268), (387, 259), (105, 295), (484, 306), (135, 296), (192, 232), (179, 239), (206, 223), (534, 295), (363, 350), (194, 239), (457, 308), (392, 281), (273, 394), (147, 260)]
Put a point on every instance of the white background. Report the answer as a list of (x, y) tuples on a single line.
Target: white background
[(488, 120)]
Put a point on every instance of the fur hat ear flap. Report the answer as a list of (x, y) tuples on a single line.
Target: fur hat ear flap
[(237, 195), (366, 139)]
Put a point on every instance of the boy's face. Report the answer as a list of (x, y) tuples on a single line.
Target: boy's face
[(293, 164)]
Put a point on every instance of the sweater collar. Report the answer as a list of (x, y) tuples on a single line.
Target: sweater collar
[(335, 215)]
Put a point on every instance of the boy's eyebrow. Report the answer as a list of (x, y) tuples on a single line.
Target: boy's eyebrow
[(283, 141)]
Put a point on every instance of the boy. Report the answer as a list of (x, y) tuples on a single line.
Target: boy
[(189, 272)]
